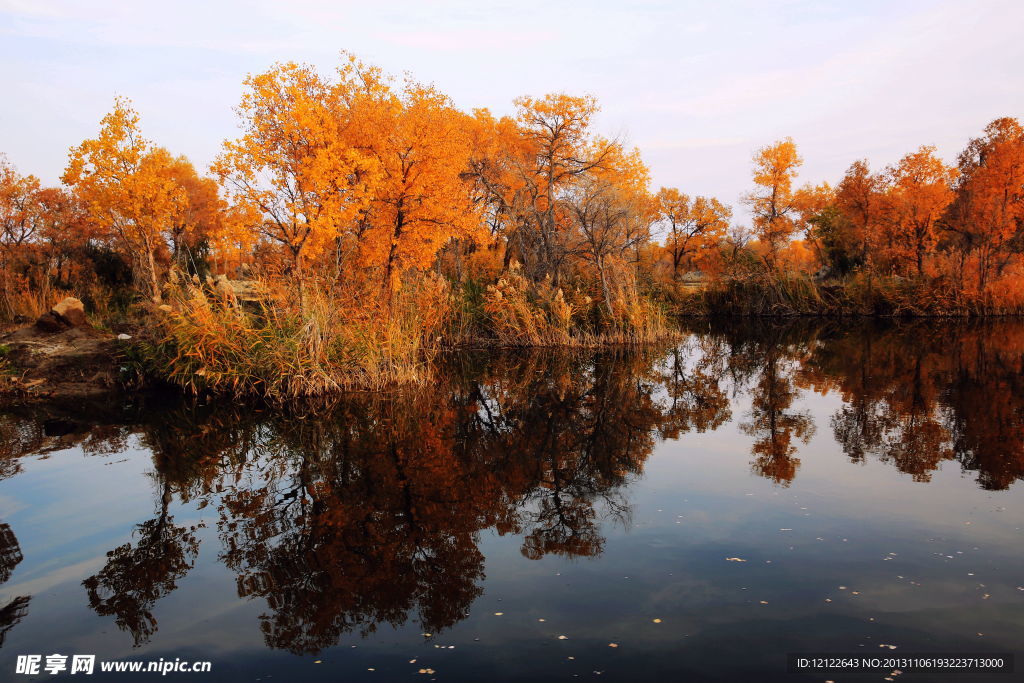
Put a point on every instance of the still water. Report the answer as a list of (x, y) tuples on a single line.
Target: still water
[(687, 513)]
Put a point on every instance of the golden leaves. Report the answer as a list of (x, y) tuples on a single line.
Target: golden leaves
[(128, 186)]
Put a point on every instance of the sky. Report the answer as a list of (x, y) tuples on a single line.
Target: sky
[(697, 86)]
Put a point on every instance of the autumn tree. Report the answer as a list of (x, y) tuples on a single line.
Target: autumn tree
[(20, 219), (294, 165), (124, 182), (986, 219), (812, 207), (201, 218), (772, 203), (19, 210), (849, 233), (563, 151), (498, 154), (859, 196), (691, 225), (919, 188), (612, 214), (419, 148)]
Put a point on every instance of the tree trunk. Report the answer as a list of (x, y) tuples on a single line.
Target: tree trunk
[(154, 283), (299, 280), (604, 287)]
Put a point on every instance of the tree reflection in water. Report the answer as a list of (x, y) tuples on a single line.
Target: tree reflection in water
[(368, 511), (136, 576), (16, 608)]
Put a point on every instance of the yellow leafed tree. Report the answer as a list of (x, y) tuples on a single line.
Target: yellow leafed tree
[(420, 148), (125, 183), (295, 165), (772, 203)]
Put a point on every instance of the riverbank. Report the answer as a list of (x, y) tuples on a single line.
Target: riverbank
[(242, 338), (861, 295), (79, 363)]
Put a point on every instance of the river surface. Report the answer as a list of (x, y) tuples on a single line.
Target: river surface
[(694, 512)]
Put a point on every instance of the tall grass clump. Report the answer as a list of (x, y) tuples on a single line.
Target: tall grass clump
[(765, 293), (280, 345), (21, 302), (632, 317), (524, 314)]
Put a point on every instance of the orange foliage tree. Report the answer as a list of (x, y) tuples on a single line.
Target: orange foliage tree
[(810, 202), (858, 199), (562, 153), (691, 226), (20, 219), (294, 164), (612, 214), (772, 203), (420, 147), (125, 183), (986, 219), (350, 164), (201, 216), (919, 190)]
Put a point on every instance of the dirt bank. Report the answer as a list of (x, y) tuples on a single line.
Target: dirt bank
[(78, 363)]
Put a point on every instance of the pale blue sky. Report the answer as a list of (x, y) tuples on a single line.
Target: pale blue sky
[(696, 85)]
